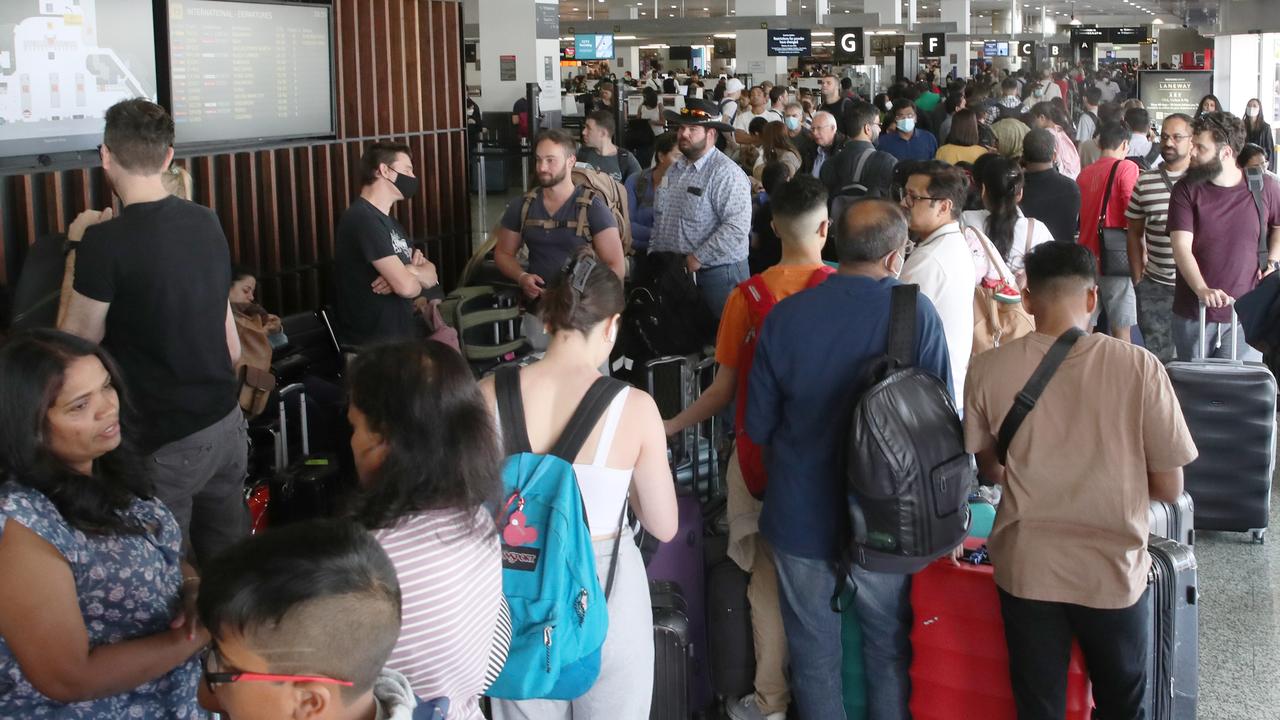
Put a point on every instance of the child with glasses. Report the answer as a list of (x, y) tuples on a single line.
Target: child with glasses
[(302, 619)]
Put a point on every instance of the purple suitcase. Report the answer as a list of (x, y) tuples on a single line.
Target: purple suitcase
[(682, 561)]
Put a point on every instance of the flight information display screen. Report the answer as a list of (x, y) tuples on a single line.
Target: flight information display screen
[(63, 63), (250, 71)]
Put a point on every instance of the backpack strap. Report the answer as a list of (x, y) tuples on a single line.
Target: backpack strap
[(759, 300), (902, 324), (586, 196), (1106, 199), (1030, 393), (1168, 184), (524, 209), (862, 163), (1031, 227), (1152, 154), (820, 276), (584, 419), (1253, 176), (515, 435)]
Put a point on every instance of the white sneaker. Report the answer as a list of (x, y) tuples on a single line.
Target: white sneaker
[(746, 709)]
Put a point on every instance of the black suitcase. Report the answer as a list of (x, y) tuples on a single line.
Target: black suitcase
[(731, 645), (1230, 408), (1174, 521), (672, 653), (309, 486), (1173, 673)]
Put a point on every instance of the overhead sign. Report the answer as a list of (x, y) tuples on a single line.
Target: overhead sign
[(933, 45), (1131, 34), (886, 45), (546, 21), (995, 48), (1060, 50), (850, 46), (1165, 92), (1086, 39), (1026, 48), (788, 43)]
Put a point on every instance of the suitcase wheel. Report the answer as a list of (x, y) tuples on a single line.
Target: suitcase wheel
[(1259, 535)]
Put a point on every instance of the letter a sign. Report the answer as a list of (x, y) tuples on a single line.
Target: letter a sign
[(933, 45), (850, 46)]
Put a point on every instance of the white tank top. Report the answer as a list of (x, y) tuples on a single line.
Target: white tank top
[(604, 489)]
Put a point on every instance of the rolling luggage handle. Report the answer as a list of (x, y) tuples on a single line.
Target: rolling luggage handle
[(1235, 323), (282, 452)]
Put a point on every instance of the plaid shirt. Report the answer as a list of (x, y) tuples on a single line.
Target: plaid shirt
[(703, 209)]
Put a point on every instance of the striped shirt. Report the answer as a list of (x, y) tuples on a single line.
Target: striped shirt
[(1150, 201), (452, 642)]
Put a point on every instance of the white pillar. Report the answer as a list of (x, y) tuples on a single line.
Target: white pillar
[(620, 10), (890, 11), (821, 8), (753, 49), (508, 29), (960, 13), (1237, 71)]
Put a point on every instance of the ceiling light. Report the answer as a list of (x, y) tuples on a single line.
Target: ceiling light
[(624, 37), (1157, 21), (726, 36)]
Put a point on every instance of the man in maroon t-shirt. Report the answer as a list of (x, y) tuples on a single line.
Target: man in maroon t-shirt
[(1213, 224), (1115, 294)]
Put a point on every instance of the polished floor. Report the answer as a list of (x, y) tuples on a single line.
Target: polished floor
[(1239, 595)]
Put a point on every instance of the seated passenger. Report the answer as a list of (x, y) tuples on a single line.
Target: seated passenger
[(1070, 538), (809, 363), (624, 460), (302, 619), (96, 605), (799, 215), (642, 189), (244, 286), (428, 462)]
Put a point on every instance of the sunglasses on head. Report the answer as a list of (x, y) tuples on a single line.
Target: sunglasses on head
[(212, 678)]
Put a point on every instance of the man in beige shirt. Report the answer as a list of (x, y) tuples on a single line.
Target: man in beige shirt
[(1070, 540)]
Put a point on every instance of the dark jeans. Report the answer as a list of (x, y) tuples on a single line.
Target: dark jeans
[(201, 479), (1115, 643)]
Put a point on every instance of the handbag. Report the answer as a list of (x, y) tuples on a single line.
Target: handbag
[(1113, 243), (998, 314)]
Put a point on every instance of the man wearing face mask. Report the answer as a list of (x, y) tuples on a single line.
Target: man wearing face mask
[(377, 272), (907, 141), (793, 117), (1044, 90)]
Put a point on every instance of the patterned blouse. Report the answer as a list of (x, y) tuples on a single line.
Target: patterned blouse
[(128, 587)]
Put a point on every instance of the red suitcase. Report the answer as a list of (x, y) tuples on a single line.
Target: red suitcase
[(960, 664)]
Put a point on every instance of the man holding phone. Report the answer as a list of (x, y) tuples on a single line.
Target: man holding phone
[(547, 221)]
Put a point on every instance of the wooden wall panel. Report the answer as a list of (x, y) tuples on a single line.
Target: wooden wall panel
[(398, 75)]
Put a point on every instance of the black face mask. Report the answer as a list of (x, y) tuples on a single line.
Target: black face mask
[(406, 184)]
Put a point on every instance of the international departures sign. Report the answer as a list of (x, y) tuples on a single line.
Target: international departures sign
[(850, 46)]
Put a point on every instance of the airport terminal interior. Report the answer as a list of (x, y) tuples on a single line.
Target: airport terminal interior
[(280, 278)]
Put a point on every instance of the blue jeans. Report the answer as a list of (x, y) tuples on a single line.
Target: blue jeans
[(1218, 339), (717, 282), (883, 603)]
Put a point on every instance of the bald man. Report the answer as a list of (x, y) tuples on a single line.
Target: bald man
[(794, 391)]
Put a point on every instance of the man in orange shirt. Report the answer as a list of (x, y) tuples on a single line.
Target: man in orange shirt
[(800, 220)]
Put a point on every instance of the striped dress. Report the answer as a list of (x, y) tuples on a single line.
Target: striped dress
[(453, 638)]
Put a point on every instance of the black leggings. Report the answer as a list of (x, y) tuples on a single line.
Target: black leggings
[(1116, 645)]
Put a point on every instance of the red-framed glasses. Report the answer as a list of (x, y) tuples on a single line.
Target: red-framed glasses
[(212, 678)]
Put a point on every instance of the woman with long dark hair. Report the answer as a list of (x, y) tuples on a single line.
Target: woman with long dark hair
[(1258, 131), (429, 467), (623, 461), (642, 189), (97, 615), (651, 111), (1208, 104), (776, 146), (1051, 117), (1012, 233), (962, 142)]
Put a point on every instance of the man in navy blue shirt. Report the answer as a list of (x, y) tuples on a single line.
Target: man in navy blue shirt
[(809, 361), (908, 141)]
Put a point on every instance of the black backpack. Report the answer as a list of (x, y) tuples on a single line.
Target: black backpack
[(907, 475), (665, 313)]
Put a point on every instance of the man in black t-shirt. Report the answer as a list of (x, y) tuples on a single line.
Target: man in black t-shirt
[(377, 273), (151, 286), (1048, 195)]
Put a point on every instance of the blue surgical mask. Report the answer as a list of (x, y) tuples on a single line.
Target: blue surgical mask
[(907, 125), (793, 123)]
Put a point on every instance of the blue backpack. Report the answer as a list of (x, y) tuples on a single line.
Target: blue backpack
[(558, 613)]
